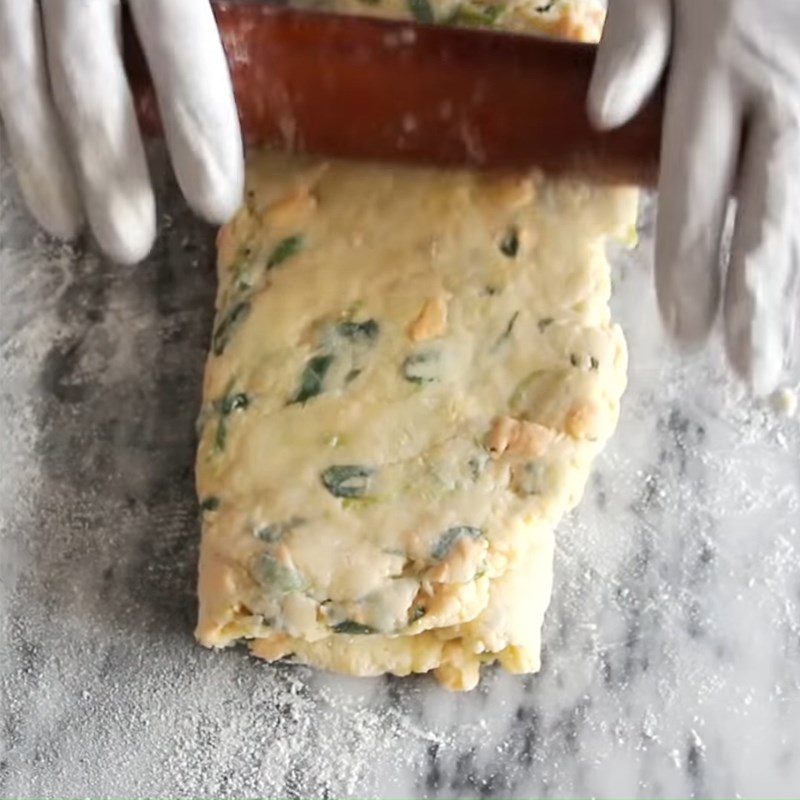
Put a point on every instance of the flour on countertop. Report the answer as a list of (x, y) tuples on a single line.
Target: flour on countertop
[(670, 651)]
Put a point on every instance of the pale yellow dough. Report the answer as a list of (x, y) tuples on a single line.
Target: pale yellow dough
[(411, 373)]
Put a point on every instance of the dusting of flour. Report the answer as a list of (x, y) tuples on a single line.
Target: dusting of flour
[(670, 647)]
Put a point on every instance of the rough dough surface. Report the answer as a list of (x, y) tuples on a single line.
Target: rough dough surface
[(410, 374)]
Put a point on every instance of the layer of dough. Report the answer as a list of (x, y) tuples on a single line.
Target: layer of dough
[(411, 372)]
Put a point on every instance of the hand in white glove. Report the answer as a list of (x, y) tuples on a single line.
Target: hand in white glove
[(71, 126), (733, 86)]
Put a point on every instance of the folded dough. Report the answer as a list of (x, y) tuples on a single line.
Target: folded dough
[(410, 373)]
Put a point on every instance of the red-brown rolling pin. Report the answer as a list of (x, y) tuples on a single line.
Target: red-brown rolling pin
[(378, 89)]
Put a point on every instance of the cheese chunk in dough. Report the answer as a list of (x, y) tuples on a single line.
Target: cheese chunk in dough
[(411, 371)]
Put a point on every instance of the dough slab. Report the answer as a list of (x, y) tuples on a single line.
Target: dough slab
[(410, 374)]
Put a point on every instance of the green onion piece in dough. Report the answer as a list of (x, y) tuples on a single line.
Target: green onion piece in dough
[(313, 378), (227, 327), (451, 536), (226, 406), (421, 10), (285, 248), (347, 480), (352, 627), (277, 578), (234, 402), (275, 530), (507, 332), (422, 367), (362, 332), (530, 479), (470, 15), (209, 503), (509, 244)]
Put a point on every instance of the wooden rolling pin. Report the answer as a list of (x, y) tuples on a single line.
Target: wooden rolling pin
[(379, 89)]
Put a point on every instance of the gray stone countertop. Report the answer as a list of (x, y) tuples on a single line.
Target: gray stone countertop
[(671, 649)]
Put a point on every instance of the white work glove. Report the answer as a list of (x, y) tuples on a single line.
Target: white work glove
[(733, 86), (69, 117)]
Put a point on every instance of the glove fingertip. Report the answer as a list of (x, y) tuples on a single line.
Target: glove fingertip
[(48, 185), (126, 228), (687, 313), (631, 59), (128, 250), (58, 212), (212, 175), (610, 103), (216, 201), (686, 329), (761, 372), (755, 343)]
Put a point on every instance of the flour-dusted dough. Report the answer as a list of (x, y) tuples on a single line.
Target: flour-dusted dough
[(411, 372)]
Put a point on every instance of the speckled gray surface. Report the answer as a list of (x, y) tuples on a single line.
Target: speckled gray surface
[(672, 646)]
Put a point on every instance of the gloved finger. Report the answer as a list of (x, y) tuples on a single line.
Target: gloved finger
[(699, 154), (195, 98), (92, 95), (630, 60), (31, 122), (761, 293)]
